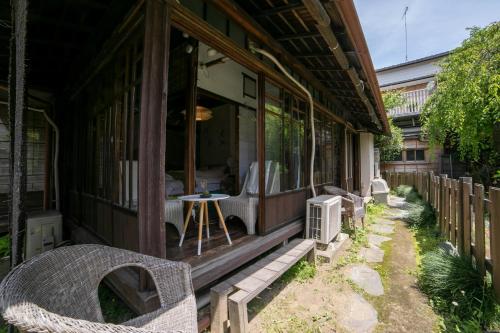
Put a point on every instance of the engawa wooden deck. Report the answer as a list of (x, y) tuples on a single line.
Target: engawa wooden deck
[(232, 296)]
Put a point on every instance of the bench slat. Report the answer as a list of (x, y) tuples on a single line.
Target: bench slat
[(251, 281)]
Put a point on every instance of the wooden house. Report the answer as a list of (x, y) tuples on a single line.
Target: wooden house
[(416, 80), (155, 97)]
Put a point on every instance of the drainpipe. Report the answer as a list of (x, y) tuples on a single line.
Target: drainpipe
[(311, 111)]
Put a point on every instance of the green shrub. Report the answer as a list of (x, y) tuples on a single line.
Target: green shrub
[(458, 292), (409, 193), (420, 214), (374, 210)]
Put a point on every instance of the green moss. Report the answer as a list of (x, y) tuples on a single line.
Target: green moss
[(384, 268)]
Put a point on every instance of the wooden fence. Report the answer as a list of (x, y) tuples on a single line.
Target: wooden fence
[(468, 217)]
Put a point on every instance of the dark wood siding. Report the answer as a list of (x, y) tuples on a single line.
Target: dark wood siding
[(283, 208)]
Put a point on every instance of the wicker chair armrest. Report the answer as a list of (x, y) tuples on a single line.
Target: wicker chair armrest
[(28, 317), (172, 278)]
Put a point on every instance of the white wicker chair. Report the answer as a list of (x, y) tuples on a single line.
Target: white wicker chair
[(245, 205), (174, 213), (56, 292)]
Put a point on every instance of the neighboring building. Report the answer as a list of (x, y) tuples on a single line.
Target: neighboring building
[(155, 99), (416, 80)]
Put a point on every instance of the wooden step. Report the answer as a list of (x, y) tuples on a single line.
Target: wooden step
[(230, 298)]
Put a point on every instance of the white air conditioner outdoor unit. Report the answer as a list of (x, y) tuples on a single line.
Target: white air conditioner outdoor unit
[(323, 220), (44, 232)]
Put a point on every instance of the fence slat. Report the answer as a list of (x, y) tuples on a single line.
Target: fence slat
[(495, 238), (442, 209), (447, 208), (460, 211), (479, 227), (453, 212), (466, 211)]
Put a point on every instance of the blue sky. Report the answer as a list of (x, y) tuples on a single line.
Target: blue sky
[(434, 26)]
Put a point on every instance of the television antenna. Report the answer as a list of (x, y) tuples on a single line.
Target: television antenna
[(406, 33)]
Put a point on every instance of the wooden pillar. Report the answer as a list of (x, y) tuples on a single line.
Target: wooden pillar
[(442, 218), (17, 213), (466, 183), (453, 212), (261, 150), (190, 133), (495, 238), (479, 249), (152, 130)]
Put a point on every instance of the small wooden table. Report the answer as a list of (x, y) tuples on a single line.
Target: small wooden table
[(191, 199)]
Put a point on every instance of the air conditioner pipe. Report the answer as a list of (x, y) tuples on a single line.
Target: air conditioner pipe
[(311, 111)]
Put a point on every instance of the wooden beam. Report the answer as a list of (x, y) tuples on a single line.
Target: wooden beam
[(313, 55), (327, 69), (280, 9), (255, 30), (17, 99), (153, 129), (298, 36), (318, 12)]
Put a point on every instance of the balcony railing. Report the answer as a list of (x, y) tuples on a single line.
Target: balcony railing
[(414, 101)]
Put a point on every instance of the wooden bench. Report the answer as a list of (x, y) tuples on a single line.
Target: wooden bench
[(232, 296)]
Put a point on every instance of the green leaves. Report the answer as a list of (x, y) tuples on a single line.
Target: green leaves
[(465, 108), (391, 146)]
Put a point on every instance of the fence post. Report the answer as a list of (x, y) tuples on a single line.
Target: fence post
[(442, 187), (453, 212), (447, 202), (479, 251), (495, 238), (466, 213), (460, 216)]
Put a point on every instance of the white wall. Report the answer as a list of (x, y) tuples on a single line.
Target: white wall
[(247, 140), (408, 72), (367, 162), (224, 79)]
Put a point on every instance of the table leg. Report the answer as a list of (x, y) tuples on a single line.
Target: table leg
[(186, 222), (221, 219), (206, 220), (200, 226)]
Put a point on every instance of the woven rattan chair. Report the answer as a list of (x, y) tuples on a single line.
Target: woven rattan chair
[(57, 292), (354, 206), (245, 205), (174, 214)]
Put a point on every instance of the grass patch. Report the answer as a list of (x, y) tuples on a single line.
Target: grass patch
[(408, 193), (113, 308), (458, 292), (302, 272), (294, 324), (420, 213), (375, 210)]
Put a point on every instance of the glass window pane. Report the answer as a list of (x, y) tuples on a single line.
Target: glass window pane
[(419, 155)]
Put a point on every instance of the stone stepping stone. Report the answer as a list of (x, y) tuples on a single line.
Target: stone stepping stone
[(385, 222), (366, 278), (377, 240), (354, 313), (372, 254), (382, 229)]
